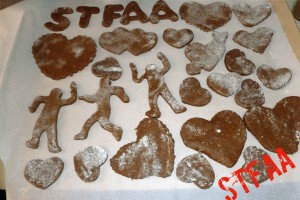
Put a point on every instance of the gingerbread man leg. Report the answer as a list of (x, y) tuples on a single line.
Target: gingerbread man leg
[(35, 140), (115, 130), (176, 107), (154, 110), (52, 139), (86, 127)]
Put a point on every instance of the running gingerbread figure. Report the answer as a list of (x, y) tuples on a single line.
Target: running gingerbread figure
[(47, 121), (102, 98), (157, 86)]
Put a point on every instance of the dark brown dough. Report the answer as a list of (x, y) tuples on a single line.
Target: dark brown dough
[(87, 12), (222, 138), (236, 61), (58, 16), (178, 38), (133, 7), (277, 127), (109, 67), (110, 13), (162, 6)]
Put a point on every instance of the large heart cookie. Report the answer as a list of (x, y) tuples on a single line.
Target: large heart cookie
[(205, 56), (222, 138), (250, 95), (58, 57), (192, 93), (236, 61), (225, 85), (195, 168), (274, 78), (249, 16), (257, 41), (251, 154), (178, 38), (152, 154), (206, 17), (43, 173), (276, 127), (135, 41), (87, 163)]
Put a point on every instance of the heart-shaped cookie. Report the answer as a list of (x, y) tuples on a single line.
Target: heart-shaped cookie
[(276, 127), (205, 56), (249, 16), (252, 153), (109, 67), (206, 17), (195, 168), (236, 61), (225, 85), (222, 138), (43, 173), (193, 94), (257, 41), (152, 154), (250, 95), (274, 78), (58, 57), (178, 38), (87, 163), (135, 41)]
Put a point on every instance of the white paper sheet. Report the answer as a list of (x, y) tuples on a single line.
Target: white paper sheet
[(22, 81)]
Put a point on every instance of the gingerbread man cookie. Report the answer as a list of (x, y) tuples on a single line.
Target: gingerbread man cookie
[(102, 99), (47, 121), (157, 86)]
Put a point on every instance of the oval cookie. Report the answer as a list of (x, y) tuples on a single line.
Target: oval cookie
[(109, 67)]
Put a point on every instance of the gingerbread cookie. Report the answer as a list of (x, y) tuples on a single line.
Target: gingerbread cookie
[(139, 15), (162, 6), (178, 38), (193, 94), (236, 61), (225, 85), (205, 56), (102, 99), (206, 17), (222, 138), (257, 41), (157, 86), (58, 16), (274, 78), (195, 168), (87, 163), (135, 41), (250, 95), (58, 57), (43, 173), (276, 127), (110, 13), (87, 12), (152, 154), (47, 121), (109, 67), (251, 154), (249, 16)]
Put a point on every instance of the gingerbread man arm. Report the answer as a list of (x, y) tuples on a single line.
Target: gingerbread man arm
[(119, 92), (165, 62), (135, 74), (88, 98), (36, 102), (73, 97)]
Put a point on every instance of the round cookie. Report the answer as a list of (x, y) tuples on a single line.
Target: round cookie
[(109, 67)]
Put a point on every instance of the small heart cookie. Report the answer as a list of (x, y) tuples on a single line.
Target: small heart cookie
[(225, 85), (257, 41), (276, 127), (222, 138), (193, 94), (251, 94), (195, 168), (108, 67), (274, 78), (236, 61), (87, 163), (252, 153), (206, 17), (43, 173), (249, 16), (178, 38)]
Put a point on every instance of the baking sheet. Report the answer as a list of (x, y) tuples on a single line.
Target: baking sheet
[(22, 24)]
